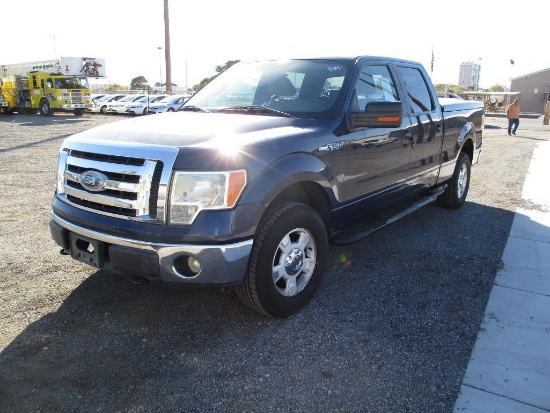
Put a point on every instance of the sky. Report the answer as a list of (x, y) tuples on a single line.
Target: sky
[(207, 33)]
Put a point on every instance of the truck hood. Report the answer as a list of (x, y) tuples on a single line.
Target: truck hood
[(190, 129)]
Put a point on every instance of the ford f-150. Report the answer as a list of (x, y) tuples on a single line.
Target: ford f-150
[(260, 171)]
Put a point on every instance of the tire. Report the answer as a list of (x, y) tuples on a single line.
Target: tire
[(45, 108), (171, 110), (78, 112), (281, 279), (455, 194), (103, 109), (145, 111)]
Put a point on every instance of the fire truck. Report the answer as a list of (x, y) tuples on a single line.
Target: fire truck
[(49, 86)]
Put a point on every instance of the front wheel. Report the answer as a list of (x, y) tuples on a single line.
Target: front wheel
[(45, 108), (457, 189), (287, 261), (79, 112)]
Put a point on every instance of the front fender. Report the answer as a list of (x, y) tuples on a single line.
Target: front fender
[(286, 171)]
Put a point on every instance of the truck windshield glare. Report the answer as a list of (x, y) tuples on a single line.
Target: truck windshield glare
[(299, 88)]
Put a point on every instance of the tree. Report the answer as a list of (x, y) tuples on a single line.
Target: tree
[(227, 65), (497, 88), (139, 83), (219, 69), (113, 87), (448, 88), (158, 84)]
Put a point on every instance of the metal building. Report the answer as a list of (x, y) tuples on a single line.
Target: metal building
[(534, 88)]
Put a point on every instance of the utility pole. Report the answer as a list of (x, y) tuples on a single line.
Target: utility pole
[(160, 65), (167, 49)]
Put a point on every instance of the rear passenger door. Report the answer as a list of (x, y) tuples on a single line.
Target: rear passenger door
[(426, 132)]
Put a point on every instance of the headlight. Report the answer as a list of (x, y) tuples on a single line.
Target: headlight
[(61, 164), (191, 192)]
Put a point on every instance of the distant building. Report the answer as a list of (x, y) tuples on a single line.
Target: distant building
[(534, 88), (468, 78)]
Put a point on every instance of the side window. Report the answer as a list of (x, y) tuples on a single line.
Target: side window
[(417, 89), (374, 84)]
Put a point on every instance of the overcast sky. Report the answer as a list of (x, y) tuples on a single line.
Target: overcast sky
[(207, 33)]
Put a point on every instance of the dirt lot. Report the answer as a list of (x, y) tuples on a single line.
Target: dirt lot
[(391, 328)]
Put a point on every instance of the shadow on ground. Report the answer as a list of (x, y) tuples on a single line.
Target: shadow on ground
[(391, 329)]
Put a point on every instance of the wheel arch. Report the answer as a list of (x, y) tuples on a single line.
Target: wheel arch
[(467, 139), (301, 178)]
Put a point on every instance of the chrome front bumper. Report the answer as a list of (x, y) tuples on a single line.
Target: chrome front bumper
[(221, 265)]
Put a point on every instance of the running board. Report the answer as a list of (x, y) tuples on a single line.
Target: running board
[(358, 236)]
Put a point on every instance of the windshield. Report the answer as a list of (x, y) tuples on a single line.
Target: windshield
[(130, 98), (299, 88), (104, 98), (169, 99), (74, 82)]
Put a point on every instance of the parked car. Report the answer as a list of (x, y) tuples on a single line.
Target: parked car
[(96, 96), (100, 105), (141, 106), (168, 104), (114, 107)]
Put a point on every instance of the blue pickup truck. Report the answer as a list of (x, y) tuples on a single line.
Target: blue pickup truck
[(253, 179)]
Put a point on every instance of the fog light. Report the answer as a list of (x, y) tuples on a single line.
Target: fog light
[(194, 265)]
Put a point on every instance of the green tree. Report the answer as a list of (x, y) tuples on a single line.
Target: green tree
[(139, 83), (113, 87), (158, 84), (227, 65), (219, 69), (497, 88), (448, 88)]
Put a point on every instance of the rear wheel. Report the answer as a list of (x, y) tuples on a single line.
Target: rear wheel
[(287, 261), (457, 189), (45, 108)]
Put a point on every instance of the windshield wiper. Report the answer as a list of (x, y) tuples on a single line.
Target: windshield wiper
[(254, 109), (192, 108)]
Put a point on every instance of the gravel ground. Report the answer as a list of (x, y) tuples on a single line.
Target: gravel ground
[(390, 330)]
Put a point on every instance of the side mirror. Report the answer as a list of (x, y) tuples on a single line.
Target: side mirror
[(378, 115)]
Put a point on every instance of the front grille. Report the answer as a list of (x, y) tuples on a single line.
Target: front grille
[(134, 187), (76, 96)]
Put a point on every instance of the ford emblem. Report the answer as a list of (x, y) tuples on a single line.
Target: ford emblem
[(93, 181)]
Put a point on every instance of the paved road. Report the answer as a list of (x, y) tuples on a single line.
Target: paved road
[(391, 329)]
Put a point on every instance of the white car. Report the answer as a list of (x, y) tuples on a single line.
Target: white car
[(141, 106), (168, 104), (100, 105), (96, 96), (119, 105)]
